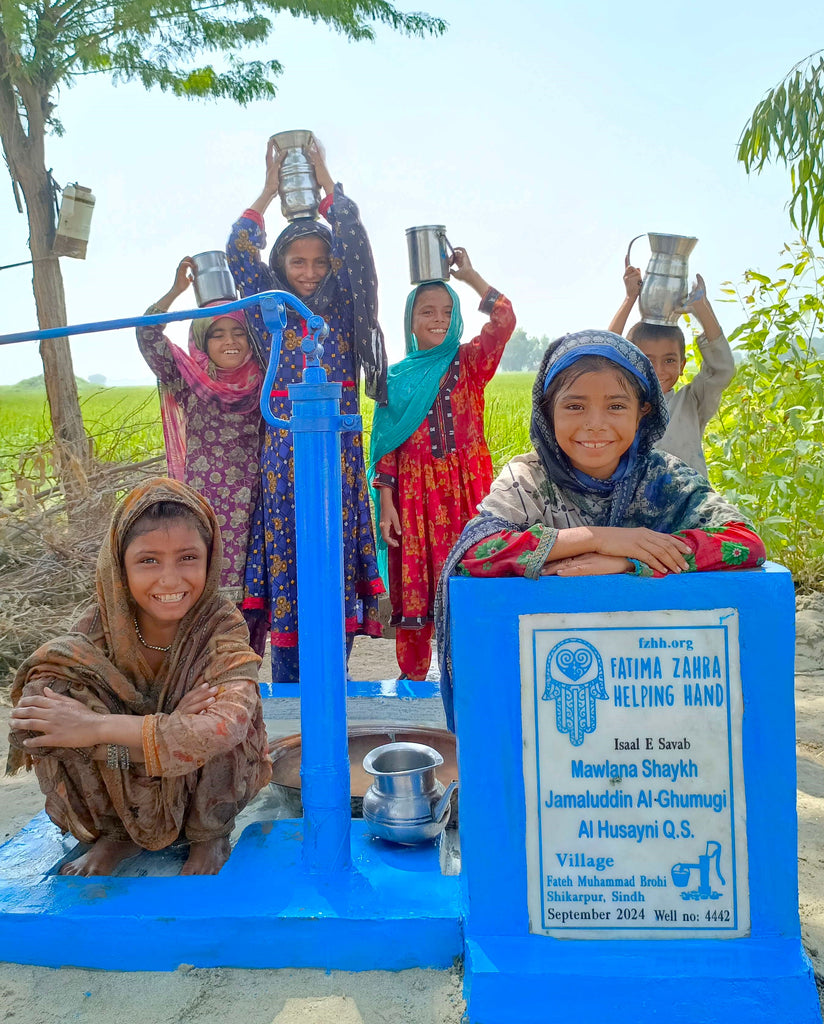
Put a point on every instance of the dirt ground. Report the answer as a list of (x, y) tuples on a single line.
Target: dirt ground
[(32, 995)]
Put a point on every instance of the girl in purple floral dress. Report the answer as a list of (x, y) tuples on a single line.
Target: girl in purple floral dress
[(333, 273), (212, 424)]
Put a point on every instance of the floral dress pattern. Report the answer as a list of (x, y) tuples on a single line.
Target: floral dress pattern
[(271, 570), (222, 457), (439, 476)]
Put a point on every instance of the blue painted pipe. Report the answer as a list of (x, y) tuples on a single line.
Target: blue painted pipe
[(158, 318), (316, 424)]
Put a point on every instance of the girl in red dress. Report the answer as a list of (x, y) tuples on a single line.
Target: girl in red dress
[(430, 464)]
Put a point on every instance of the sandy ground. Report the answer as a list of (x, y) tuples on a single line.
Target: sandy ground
[(32, 995)]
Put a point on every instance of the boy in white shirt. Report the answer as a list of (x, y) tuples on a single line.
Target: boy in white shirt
[(692, 406)]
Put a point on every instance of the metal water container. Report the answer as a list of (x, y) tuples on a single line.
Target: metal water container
[(213, 279), (299, 191), (406, 803), (429, 253), (72, 235), (666, 281)]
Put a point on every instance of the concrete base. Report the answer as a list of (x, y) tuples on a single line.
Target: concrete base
[(392, 911), (544, 981)]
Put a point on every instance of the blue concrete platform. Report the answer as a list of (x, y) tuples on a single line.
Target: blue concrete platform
[(392, 911), (537, 980)]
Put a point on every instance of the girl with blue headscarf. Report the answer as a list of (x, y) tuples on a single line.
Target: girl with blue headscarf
[(596, 497), (429, 461)]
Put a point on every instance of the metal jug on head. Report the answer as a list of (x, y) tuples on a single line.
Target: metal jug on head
[(430, 253), (406, 803), (299, 190), (666, 281), (213, 281)]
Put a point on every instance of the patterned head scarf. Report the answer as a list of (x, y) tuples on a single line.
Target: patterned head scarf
[(629, 361), (236, 390), (115, 603), (304, 227)]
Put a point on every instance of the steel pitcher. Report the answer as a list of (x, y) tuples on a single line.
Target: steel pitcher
[(406, 803), (299, 190), (666, 281)]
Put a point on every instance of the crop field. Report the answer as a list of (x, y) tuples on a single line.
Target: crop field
[(124, 424), (764, 449)]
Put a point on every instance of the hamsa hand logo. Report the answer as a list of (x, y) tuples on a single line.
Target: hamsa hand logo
[(575, 680)]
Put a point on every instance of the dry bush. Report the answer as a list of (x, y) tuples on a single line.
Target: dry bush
[(47, 557)]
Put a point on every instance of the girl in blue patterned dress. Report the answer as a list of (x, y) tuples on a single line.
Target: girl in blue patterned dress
[(333, 273)]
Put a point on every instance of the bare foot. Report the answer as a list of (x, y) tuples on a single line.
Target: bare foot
[(207, 858), (101, 859)]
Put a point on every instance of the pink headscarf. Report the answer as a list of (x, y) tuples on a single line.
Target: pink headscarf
[(235, 390)]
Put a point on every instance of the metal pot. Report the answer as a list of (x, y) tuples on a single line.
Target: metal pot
[(213, 279), (429, 253), (299, 191), (666, 281), (405, 804)]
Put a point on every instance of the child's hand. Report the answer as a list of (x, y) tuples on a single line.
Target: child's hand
[(661, 551), (462, 268), (317, 158), (63, 721), (184, 275), (697, 297), (590, 564), (197, 700), (274, 161), (389, 523), (632, 280)]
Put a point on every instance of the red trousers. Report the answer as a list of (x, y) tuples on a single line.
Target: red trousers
[(413, 649)]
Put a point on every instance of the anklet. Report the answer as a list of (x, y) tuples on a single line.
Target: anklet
[(152, 647)]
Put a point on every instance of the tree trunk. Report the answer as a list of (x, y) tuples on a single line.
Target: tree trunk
[(25, 156), (71, 443)]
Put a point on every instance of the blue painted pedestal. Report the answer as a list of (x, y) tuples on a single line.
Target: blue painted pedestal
[(514, 977), (391, 910)]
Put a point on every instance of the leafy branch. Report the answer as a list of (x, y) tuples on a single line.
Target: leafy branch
[(788, 126)]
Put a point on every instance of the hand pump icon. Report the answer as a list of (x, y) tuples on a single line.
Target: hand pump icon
[(681, 874)]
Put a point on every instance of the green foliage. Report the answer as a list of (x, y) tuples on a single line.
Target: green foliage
[(765, 449), (522, 352), (47, 44), (788, 125)]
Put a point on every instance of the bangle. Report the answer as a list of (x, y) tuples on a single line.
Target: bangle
[(117, 756), (639, 568)]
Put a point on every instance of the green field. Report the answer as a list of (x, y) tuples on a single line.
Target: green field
[(125, 425)]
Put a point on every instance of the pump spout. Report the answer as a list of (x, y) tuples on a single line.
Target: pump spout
[(442, 805)]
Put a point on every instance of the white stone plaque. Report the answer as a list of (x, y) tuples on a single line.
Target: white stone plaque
[(635, 806)]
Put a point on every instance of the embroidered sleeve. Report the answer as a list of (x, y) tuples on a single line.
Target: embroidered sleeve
[(246, 239), (483, 354), (732, 546), (154, 347), (511, 553), (351, 251)]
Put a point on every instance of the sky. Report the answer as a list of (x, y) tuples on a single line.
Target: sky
[(543, 134)]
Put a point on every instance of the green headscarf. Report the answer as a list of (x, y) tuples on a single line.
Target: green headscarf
[(412, 385)]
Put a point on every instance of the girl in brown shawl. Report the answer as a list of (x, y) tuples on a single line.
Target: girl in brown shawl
[(145, 723)]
